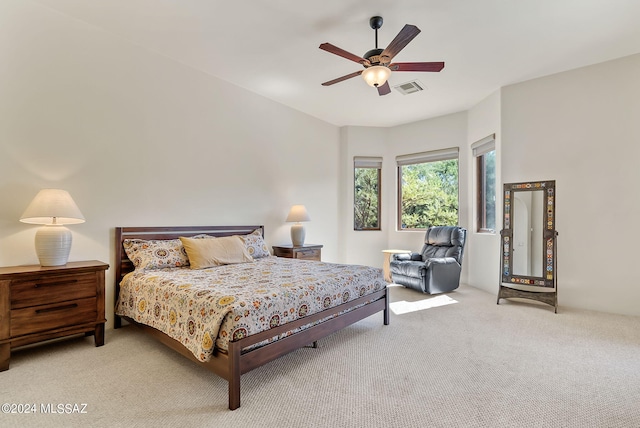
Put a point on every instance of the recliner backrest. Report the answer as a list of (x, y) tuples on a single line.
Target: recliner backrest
[(444, 241)]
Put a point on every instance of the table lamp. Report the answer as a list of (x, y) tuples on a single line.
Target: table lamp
[(53, 208), (298, 214)]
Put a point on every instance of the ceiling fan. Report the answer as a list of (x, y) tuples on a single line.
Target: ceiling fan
[(377, 62)]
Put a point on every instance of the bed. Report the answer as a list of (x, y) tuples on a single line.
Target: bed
[(228, 344)]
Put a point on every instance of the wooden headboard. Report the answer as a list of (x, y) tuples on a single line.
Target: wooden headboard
[(124, 265)]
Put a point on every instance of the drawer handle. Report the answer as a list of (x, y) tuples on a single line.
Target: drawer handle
[(70, 281), (57, 308)]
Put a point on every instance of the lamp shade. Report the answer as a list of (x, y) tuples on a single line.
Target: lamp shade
[(376, 76), (52, 206), (297, 214)]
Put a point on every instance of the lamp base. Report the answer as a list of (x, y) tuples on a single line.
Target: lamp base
[(297, 234), (53, 244)]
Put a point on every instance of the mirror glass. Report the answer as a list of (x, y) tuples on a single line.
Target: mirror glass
[(527, 233), (528, 237)]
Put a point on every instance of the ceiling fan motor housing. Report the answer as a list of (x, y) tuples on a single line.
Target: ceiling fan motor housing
[(373, 56)]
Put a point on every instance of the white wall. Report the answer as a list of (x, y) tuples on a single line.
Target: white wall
[(433, 134), (139, 139), (363, 246), (579, 128), (482, 251), (582, 129)]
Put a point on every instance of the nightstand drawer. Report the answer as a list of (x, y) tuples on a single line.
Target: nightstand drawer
[(51, 289), (312, 254), (52, 316), (302, 252)]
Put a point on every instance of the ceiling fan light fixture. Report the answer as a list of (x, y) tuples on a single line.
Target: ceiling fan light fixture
[(376, 75)]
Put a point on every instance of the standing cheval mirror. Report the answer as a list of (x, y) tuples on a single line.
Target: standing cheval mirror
[(528, 243)]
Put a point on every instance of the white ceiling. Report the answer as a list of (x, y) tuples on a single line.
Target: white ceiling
[(270, 47)]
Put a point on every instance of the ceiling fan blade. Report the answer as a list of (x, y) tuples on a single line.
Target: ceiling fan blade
[(384, 89), (403, 38), (416, 66), (344, 54), (340, 79)]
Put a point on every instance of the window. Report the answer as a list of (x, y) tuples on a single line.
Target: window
[(428, 189), (485, 154), (366, 195)]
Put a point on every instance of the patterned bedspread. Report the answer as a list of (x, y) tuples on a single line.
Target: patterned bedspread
[(205, 309)]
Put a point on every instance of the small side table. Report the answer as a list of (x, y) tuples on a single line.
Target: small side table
[(387, 259), (304, 252)]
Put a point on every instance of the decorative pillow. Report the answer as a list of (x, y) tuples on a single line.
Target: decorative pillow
[(204, 253), (155, 254), (255, 244), (201, 236)]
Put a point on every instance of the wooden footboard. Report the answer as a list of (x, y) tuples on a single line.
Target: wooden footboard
[(240, 357)]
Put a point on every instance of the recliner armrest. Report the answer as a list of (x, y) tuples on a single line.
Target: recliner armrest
[(441, 261), (404, 256)]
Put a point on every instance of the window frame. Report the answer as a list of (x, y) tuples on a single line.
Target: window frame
[(450, 153), (362, 162), (479, 149)]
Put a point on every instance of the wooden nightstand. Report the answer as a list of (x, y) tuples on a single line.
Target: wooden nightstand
[(40, 303), (306, 251)]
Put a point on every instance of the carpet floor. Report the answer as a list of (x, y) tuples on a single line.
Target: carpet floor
[(454, 360)]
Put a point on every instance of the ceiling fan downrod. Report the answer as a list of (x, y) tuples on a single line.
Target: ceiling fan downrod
[(374, 54), (376, 22)]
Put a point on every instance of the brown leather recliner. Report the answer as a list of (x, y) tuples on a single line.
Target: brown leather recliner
[(437, 268)]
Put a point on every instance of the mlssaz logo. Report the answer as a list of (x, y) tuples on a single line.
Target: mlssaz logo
[(61, 408)]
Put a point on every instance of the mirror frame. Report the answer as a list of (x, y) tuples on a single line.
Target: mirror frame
[(548, 235)]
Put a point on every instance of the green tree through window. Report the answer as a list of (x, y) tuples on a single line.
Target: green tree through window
[(428, 194), (485, 153), (366, 201), (487, 167)]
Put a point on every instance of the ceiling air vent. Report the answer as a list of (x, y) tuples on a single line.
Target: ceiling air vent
[(409, 87)]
